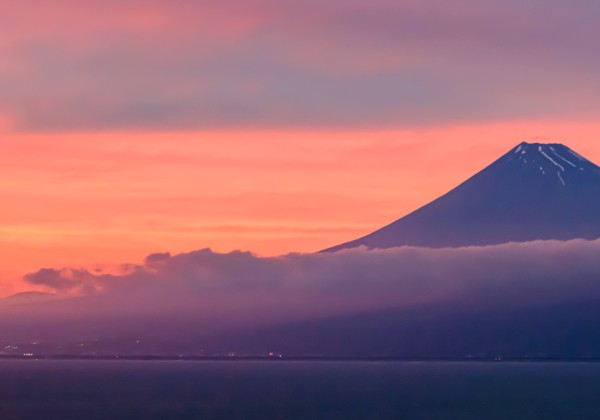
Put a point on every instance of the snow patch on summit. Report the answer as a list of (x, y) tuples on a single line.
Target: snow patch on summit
[(577, 155), (545, 156), (562, 158), (541, 150)]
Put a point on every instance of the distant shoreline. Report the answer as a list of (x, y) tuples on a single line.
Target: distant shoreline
[(300, 358)]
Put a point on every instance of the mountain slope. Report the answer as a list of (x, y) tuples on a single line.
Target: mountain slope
[(535, 191), (561, 330)]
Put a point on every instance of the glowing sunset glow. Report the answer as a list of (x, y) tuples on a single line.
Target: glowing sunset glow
[(116, 197), (128, 128)]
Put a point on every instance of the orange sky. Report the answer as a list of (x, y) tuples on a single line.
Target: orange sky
[(131, 127), (113, 197)]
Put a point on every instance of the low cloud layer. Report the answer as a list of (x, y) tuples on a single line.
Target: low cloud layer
[(241, 288)]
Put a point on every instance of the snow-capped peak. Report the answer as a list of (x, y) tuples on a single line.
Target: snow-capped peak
[(534, 192), (553, 159)]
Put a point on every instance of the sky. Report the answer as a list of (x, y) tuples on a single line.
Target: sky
[(272, 126)]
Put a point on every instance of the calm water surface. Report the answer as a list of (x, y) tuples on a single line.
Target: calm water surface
[(46, 389)]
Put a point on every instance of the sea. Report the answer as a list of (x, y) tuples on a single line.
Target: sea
[(159, 389)]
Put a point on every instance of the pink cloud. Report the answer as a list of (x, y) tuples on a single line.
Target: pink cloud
[(203, 297), (265, 63), (327, 284)]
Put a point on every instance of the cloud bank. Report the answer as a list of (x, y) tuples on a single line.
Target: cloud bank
[(85, 65), (239, 289)]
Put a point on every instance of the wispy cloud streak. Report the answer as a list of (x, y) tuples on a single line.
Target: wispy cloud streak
[(263, 63)]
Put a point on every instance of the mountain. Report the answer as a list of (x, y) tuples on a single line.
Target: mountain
[(534, 192), (27, 297), (560, 330)]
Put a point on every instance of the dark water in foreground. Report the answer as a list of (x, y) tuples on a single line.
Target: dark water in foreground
[(48, 389)]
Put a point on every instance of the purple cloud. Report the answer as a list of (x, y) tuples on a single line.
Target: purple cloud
[(347, 281), (266, 63), (66, 280), (202, 295)]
